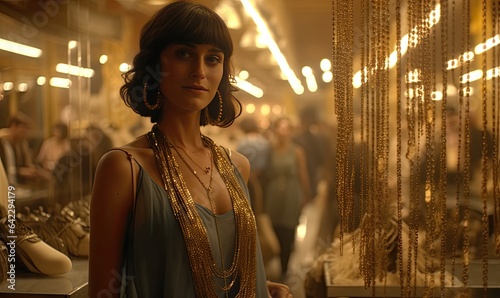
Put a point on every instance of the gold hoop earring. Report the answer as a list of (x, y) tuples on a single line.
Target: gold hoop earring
[(221, 103), (157, 104)]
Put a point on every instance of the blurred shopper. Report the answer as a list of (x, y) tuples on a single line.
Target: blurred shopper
[(15, 151), (54, 147), (315, 144), (254, 146), (287, 187)]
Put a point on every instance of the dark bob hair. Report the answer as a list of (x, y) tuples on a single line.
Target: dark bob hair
[(180, 22)]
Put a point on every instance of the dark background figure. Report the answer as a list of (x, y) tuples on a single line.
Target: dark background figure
[(315, 144), (16, 153), (74, 172), (53, 148), (254, 146)]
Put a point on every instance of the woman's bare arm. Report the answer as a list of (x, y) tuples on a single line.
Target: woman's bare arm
[(110, 209)]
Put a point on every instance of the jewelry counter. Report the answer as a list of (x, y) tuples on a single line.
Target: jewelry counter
[(30, 285), (475, 283)]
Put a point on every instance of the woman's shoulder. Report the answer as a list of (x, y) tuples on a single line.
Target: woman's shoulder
[(239, 161)]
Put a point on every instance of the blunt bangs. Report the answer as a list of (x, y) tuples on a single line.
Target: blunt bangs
[(196, 26)]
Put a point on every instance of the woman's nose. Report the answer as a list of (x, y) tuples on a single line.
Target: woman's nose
[(198, 69)]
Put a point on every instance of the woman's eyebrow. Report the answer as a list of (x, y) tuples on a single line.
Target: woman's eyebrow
[(193, 45)]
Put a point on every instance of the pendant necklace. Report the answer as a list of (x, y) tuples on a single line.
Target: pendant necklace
[(210, 194)]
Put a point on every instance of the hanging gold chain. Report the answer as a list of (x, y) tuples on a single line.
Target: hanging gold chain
[(443, 166), (484, 159), (496, 133)]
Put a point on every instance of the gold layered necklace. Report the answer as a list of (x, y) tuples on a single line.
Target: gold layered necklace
[(203, 265)]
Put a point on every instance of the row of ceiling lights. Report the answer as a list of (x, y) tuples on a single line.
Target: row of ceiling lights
[(231, 19)]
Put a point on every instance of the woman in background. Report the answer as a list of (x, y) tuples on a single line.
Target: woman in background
[(287, 187)]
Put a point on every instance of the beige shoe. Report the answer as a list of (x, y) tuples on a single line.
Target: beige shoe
[(36, 255)]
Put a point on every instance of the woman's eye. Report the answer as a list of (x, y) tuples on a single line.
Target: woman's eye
[(214, 59), (183, 53)]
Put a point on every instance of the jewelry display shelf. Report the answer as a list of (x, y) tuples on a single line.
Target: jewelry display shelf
[(475, 283), (30, 285)]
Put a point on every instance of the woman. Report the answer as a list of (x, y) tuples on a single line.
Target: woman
[(169, 212), (286, 189)]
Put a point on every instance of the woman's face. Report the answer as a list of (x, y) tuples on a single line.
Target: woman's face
[(191, 74)]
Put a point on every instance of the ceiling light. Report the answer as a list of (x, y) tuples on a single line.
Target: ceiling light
[(243, 74), (325, 64), (72, 44), (20, 49), (60, 82), (249, 87), (471, 76), (7, 86), (492, 73), (227, 12), (437, 95), (327, 76), (273, 47), (22, 87), (41, 80), (74, 70), (103, 59)]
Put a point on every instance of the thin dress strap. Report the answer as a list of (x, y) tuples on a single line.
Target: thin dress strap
[(130, 158)]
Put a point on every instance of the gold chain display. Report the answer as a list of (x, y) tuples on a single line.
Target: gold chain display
[(201, 258), (407, 99)]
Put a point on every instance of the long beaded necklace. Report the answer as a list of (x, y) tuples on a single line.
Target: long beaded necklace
[(210, 195), (204, 269)]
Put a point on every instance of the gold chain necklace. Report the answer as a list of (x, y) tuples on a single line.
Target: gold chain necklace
[(210, 195), (204, 270), (207, 170)]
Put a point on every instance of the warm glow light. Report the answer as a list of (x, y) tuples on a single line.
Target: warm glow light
[(312, 85), (20, 49), (74, 70), (325, 64), (327, 76), (103, 59), (471, 76), (22, 87), (265, 109), (124, 67), (250, 108), (306, 71), (356, 80), (434, 16), (41, 80), (452, 64), (413, 76), (437, 95), (7, 86), (243, 75), (60, 82), (490, 43), (72, 44), (492, 73), (468, 56), (273, 47), (408, 40), (467, 91), (249, 87)]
